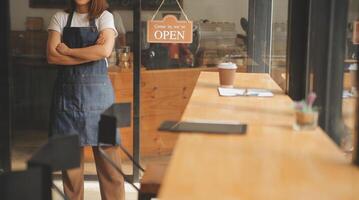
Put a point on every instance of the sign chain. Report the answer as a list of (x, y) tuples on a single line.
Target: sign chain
[(179, 5)]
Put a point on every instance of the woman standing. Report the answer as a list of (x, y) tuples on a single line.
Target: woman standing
[(79, 41)]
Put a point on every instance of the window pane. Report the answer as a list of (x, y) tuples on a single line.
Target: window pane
[(279, 42), (169, 72), (351, 65)]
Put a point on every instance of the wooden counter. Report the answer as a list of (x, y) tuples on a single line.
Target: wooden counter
[(206, 104), (164, 96), (270, 162), (349, 110)]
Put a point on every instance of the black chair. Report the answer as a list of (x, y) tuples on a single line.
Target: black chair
[(35, 183), (60, 153), (117, 116), (30, 184)]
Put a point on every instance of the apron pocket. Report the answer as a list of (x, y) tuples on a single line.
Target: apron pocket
[(71, 98), (87, 96), (96, 97)]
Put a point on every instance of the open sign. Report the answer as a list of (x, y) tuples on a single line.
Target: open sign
[(169, 30)]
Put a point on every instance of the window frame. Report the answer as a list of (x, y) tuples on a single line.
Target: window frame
[(5, 85), (316, 53)]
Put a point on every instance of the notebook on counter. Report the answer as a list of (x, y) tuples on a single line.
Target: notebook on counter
[(204, 127), (232, 92)]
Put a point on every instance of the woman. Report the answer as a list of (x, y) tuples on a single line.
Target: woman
[(79, 41)]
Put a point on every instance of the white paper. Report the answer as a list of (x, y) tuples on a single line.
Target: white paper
[(232, 92), (259, 93), (347, 94)]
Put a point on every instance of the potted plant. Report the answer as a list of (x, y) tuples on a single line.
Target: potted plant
[(305, 113)]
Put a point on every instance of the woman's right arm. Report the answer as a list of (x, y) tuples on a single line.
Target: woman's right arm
[(54, 57)]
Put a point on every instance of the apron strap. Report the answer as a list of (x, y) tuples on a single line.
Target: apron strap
[(92, 23), (69, 19)]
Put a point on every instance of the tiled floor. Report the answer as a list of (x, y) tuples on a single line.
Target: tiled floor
[(25, 143), (92, 191)]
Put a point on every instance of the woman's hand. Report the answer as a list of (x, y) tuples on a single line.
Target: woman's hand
[(57, 58), (63, 49), (102, 49)]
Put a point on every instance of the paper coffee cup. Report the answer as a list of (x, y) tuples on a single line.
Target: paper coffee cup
[(227, 74)]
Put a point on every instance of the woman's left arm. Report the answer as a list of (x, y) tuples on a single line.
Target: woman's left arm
[(102, 49)]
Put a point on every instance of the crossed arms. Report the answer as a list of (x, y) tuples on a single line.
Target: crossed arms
[(60, 54)]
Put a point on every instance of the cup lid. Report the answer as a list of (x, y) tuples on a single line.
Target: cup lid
[(228, 65)]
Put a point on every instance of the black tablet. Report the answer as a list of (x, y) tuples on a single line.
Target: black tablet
[(203, 127)]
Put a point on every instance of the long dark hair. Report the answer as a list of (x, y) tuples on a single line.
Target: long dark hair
[(96, 8)]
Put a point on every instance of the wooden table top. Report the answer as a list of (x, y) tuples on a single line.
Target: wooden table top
[(270, 162), (205, 103)]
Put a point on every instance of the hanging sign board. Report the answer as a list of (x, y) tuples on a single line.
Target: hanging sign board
[(169, 30), (356, 32)]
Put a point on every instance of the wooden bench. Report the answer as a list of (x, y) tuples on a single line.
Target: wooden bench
[(151, 181)]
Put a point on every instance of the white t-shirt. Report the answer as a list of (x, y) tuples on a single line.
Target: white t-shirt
[(59, 20)]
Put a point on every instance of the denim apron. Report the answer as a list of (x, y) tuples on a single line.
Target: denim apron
[(82, 92)]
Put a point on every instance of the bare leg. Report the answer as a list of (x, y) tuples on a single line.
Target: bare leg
[(73, 180), (111, 182)]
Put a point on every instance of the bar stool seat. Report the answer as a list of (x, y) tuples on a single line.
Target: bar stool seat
[(151, 181)]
